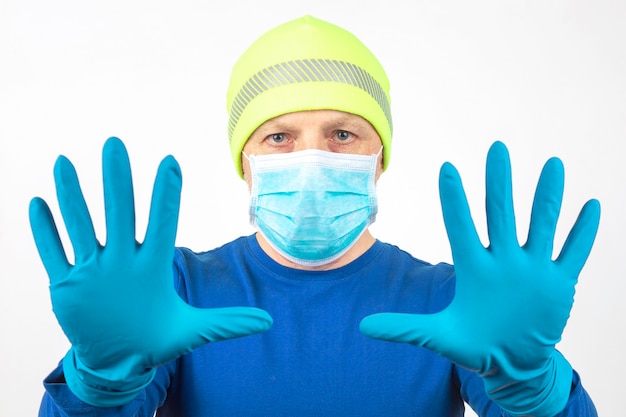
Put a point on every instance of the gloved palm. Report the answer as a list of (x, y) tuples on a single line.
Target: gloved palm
[(117, 303), (511, 303)]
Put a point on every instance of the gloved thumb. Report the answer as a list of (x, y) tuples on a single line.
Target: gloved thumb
[(232, 322), (416, 329), (199, 326)]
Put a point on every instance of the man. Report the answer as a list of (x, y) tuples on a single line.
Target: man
[(313, 291)]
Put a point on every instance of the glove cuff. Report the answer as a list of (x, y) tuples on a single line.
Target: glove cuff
[(102, 388), (539, 393)]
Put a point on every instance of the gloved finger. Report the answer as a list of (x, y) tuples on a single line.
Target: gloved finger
[(47, 240), (456, 213), (74, 210), (546, 209), (118, 195), (580, 239), (499, 198), (164, 208)]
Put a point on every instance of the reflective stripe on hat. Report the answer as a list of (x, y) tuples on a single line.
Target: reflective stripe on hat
[(306, 70)]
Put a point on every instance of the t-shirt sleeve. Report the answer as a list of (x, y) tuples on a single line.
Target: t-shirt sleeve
[(473, 392), (59, 401)]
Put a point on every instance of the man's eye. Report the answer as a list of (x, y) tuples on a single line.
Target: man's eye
[(343, 136), (277, 138)]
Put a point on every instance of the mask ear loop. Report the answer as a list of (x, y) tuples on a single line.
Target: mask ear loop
[(377, 154), (252, 182), (380, 151)]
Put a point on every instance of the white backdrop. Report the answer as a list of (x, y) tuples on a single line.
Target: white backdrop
[(546, 77)]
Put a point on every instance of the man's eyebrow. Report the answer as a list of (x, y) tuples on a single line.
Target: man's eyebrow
[(346, 122), (275, 125)]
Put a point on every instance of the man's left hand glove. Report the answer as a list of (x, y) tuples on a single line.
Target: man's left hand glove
[(511, 303)]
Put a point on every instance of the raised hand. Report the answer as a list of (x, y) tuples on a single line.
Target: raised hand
[(117, 303), (511, 302)]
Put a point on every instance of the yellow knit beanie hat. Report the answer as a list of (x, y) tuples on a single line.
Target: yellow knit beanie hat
[(306, 64)]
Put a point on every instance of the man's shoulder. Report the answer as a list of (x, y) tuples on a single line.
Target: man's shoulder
[(395, 254)]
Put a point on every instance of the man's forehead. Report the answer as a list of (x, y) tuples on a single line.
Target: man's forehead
[(334, 117)]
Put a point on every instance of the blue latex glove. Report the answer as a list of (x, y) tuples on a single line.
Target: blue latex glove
[(117, 304), (511, 303)]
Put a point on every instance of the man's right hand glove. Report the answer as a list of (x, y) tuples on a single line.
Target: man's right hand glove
[(117, 304)]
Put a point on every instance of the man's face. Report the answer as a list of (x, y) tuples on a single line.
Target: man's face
[(327, 130)]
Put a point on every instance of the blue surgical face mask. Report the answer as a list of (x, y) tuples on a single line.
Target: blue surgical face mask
[(312, 205)]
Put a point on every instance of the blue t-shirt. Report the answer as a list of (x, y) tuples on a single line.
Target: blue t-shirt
[(313, 361)]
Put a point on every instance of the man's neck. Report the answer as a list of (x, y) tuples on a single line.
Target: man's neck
[(365, 241)]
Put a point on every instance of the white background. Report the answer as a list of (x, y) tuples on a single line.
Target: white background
[(546, 77)]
